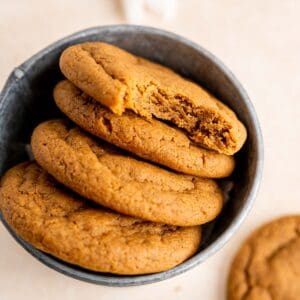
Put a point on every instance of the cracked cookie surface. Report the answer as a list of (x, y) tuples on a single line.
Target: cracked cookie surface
[(120, 81), (149, 139), (105, 174), (267, 267), (61, 223)]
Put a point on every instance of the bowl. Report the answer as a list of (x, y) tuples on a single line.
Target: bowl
[(26, 100)]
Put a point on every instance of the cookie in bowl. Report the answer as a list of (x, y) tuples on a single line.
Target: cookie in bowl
[(120, 81), (103, 173), (150, 139), (61, 223)]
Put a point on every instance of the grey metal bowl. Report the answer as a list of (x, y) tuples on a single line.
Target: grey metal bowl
[(26, 100)]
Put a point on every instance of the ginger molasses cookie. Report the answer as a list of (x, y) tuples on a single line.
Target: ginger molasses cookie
[(105, 174), (120, 80), (61, 223), (268, 264), (150, 139)]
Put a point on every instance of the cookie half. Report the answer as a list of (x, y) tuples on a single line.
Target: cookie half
[(268, 264), (120, 81), (61, 223), (149, 139), (108, 176)]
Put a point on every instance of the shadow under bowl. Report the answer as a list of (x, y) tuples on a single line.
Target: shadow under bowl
[(26, 100)]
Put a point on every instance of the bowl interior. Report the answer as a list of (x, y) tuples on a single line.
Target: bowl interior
[(27, 100)]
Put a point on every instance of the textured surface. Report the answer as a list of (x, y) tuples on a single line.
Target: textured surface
[(150, 139), (268, 264), (102, 173), (120, 81), (64, 225)]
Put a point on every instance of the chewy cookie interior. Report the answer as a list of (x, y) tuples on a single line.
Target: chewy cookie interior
[(120, 80)]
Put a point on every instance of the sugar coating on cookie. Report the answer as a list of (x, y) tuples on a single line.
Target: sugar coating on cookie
[(120, 81), (149, 139), (63, 224), (110, 177), (268, 264)]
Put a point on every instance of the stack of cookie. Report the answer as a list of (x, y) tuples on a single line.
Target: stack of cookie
[(147, 144)]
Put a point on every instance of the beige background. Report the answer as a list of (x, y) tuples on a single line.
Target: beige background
[(258, 40)]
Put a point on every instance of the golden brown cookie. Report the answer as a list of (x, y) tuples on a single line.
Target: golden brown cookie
[(61, 223), (268, 264), (100, 172), (149, 139), (120, 80)]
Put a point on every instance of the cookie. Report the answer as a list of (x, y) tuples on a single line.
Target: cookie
[(61, 223), (120, 81), (149, 139), (102, 173), (268, 264)]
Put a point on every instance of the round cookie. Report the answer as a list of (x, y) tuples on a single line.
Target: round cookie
[(120, 81), (108, 176), (268, 264), (61, 223), (149, 139)]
